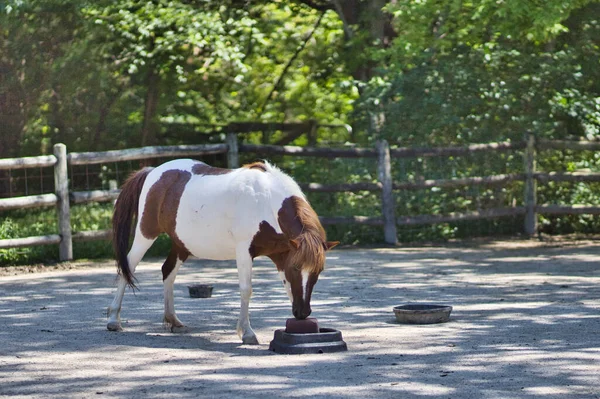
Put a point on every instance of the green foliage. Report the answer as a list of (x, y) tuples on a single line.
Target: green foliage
[(481, 71), (18, 224), (101, 75), (116, 74)]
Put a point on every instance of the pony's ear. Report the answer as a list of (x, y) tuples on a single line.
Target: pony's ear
[(295, 243), (330, 244)]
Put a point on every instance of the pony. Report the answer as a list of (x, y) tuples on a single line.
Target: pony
[(219, 214)]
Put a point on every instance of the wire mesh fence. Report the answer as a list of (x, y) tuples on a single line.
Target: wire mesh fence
[(430, 183), (22, 182)]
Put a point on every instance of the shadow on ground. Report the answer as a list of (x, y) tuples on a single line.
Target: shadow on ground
[(525, 324)]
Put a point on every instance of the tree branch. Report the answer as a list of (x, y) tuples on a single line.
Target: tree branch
[(289, 64), (316, 5), (340, 11)]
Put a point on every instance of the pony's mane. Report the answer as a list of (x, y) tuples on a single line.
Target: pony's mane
[(259, 165), (311, 251)]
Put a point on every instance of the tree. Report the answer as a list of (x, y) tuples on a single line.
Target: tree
[(488, 70), (367, 28), (33, 38), (162, 42)]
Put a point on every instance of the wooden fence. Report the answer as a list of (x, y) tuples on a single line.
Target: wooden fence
[(62, 198)]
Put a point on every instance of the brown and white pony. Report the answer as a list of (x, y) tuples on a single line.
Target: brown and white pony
[(219, 214)]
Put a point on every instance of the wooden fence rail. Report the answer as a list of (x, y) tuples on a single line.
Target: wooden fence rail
[(89, 158), (27, 162), (30, 201), (382, 154), (455, 151), (309, 151)]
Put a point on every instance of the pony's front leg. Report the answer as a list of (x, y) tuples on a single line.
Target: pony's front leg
[(244, 267)]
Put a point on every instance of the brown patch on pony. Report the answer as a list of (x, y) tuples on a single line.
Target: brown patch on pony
[(177, 252), (268, 242), (256, 165), (126, 209), (160, 213), (203, 169), (279, 259)]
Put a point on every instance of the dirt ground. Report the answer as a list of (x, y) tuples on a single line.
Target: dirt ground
[(525, 324)]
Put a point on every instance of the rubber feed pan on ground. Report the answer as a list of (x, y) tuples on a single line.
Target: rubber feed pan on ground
[(422, 313), (327, 340)]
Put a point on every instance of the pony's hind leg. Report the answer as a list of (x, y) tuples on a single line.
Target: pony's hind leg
[(169, 269), (136, 253)]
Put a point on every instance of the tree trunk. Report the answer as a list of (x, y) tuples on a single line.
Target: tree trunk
[(366, 16), (12, 113), (12, 122), (101, 125), (150, 105), (56, 122)]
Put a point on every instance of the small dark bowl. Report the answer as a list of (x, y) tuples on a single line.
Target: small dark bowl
[(422, 313), (200, 290)]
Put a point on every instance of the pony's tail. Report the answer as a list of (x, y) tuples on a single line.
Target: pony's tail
[(126, 209)]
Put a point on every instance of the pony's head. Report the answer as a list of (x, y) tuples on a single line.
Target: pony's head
[(298, 247), (300, 265), (298, 251)]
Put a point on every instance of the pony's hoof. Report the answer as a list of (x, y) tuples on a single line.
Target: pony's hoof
[(114, 326), (179, 329), (250, 340)]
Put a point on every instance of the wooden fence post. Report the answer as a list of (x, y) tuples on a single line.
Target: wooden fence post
[(61, 186), (233, 159), (530, 187), (388, 204)]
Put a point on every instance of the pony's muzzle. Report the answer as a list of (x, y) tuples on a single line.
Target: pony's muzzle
[(301, 312)]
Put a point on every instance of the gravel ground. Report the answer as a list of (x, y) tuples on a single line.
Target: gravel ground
[(525, 324)]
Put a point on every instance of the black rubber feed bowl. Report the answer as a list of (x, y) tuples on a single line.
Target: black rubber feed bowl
[(327, 340), (200, 290), (422, 313)]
